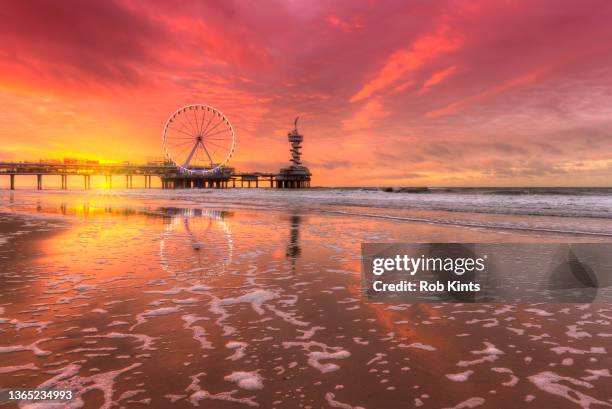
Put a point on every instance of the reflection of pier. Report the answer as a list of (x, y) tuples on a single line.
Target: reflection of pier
[(197, 242)]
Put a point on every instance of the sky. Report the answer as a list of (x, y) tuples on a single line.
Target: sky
[(389, 93)]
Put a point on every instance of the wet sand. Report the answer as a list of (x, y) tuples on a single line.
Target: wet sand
[(157, 303)]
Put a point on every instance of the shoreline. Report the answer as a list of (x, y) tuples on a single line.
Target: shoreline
[(583, 216)]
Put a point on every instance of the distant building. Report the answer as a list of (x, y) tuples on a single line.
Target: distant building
[(75, 161), (157, 161)]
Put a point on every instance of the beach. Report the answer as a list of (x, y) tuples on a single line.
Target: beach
[(253, 298)]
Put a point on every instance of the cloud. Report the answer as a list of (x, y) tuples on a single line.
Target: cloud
[(338, 23), (403, 63), (366, 117), (437, 77), (519, 81)]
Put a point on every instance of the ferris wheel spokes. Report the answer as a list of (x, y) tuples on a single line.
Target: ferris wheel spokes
[(200, 141)]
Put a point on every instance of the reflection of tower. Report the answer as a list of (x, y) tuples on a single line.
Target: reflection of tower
[(296, 175), (293, 248)]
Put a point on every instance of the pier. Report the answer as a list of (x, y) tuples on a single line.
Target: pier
[(175, 174), (122, 176)]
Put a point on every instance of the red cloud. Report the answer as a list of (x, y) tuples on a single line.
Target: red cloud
[(404, 63)]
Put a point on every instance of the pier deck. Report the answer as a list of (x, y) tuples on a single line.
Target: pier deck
[(169, 175)]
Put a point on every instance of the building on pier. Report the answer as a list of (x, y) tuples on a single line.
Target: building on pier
[(181, 180)]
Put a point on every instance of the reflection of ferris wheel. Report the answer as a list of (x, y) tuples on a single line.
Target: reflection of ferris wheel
[(198, 245), (199, 139)]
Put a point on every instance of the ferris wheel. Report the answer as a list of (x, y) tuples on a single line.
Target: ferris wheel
[(199, 139)]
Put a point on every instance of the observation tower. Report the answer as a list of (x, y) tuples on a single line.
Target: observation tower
[(295, 176)]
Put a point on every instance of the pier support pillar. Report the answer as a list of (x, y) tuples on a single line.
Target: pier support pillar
[(12, 182), (39, 182), (257, 182), (233, 182)]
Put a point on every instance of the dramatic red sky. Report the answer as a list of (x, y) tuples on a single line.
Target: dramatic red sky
[(390, 92)]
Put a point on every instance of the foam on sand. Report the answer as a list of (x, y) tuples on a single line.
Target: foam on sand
[(238, 347), (142, 317), (199, 333), (199, 394), (31, 347), (147, 341), (325, 353), (469, 403), (596, 374), (256, 298), (68, 378), (513, 378), (418, 345), (16, 368), (576, 351), (332, 402), (490, 352), (551, 383), (194, 289), (246, 380), (460, 377), (307, 334)]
